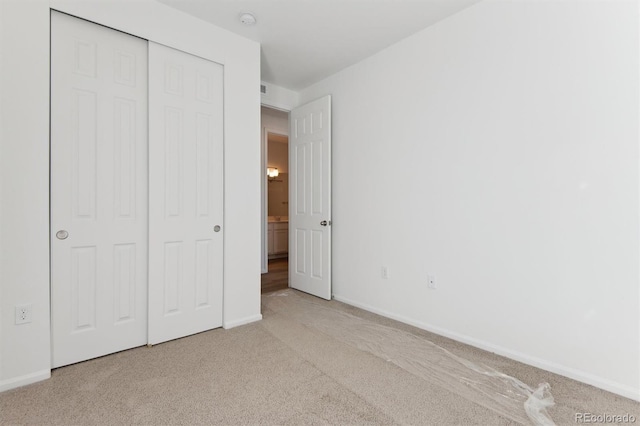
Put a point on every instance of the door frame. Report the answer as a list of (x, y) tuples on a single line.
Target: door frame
[(264, 193)]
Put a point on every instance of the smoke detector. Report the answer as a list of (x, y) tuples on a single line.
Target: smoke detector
[(247, 19)]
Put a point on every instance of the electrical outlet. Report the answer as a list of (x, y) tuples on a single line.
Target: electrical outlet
[(23, 314), (384, 272), (431, 282)]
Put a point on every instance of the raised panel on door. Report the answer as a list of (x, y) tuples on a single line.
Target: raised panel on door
[(185, 194), (98, 190), (310, 198)]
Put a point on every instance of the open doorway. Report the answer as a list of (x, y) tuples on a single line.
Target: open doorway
[(275, 196)]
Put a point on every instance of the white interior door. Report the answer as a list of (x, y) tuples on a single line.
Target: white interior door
[(186, 194), (98, 190), (310, 198)]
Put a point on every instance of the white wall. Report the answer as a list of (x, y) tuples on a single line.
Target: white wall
[(274, 120), (24, 177), (498, 150), (278, 155), (279, 97), (24, 172), (278, 189)]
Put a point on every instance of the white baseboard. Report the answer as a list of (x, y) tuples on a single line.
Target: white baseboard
[(581, 376), (27, 379), (237, 323)]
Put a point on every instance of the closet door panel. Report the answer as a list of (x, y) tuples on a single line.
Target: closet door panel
[(99, 173), (185, 194)]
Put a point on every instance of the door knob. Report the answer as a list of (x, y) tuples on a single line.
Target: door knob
[(62, 234), (216, 228), (325, 223)]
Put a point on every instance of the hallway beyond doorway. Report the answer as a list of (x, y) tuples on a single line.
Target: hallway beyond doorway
[(278, 276)]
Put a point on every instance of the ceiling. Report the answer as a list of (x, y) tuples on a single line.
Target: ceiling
[(304, 41)]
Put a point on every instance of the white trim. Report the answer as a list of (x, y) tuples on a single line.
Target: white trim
[(638, 163), (243, 321), (264, 200), (277, 105), (27, 379), (581, 376)]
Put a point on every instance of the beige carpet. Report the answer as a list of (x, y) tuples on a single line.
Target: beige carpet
[(294, 370)]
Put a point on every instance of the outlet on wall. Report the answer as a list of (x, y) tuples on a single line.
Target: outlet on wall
[(384, 272), (431, 282), (23, 314)]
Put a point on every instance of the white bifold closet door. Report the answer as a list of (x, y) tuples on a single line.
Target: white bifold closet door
[(98, 190), (186, 194)]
